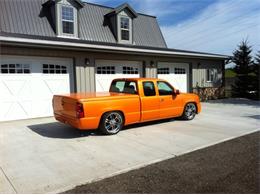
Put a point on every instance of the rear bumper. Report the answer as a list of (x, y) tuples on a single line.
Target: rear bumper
[(81, 124)]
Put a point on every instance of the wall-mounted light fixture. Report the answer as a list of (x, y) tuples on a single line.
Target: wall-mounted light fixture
[(199, 64), (87, 61)]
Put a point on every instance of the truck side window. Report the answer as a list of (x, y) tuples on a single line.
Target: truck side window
[(149, 89), (164, 88), (128, 87)]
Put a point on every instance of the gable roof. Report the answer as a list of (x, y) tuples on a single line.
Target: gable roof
[(121, 8), (79, 2), (23, 17)]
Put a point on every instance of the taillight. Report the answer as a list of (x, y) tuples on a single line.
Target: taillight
[(79, 110)]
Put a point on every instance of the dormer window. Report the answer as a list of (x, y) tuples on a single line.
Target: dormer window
[(67, 20), (67, 17), (125, 29)]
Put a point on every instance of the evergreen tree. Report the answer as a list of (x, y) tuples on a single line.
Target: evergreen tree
[(256, 75), (243, 60)]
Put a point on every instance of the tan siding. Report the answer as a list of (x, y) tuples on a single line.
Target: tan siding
[(199, 73), (92, 78), (82, 79), (78, 88), (150, 72)]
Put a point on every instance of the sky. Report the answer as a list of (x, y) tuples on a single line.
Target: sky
[(215, 26)]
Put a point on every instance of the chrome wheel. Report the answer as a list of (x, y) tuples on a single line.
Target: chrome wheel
[(190, 111), (113, 123)]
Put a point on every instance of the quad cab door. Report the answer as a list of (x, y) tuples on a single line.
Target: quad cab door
[(150, 103), (170, 102)]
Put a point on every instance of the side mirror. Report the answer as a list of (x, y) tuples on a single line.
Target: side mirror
[(176, 92)]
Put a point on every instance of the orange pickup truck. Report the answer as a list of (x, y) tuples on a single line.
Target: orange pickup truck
[(129, 101)]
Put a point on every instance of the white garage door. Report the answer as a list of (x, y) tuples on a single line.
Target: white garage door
[(107, 70), (27, 85), (175, 73)]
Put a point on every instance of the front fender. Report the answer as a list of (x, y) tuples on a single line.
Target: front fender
[(193, 98)]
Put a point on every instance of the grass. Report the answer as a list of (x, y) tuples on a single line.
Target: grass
[(229, 73)]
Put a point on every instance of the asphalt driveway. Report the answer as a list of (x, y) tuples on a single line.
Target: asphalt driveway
[(42, 156)]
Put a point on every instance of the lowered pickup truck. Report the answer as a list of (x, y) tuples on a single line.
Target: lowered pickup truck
[(129, 101)]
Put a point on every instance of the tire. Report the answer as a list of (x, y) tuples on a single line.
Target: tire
[(111, 123), (189, 112)]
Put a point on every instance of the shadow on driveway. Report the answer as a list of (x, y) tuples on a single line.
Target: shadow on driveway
[(61, 131), (257, 117)]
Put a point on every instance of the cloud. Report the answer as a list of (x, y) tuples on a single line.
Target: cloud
[(160, 8), (166, 11), (219, 28)]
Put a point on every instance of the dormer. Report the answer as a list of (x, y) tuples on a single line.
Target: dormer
[(64, 16), (67, 17), (121, 23)]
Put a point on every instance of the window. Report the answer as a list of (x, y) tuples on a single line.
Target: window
[(53, 69), (67, 20), (125, 28), (130, 70), (106, 70), (149, 89), (164, 88), (179, 71), (163, 71), (128, 87), (210, 75), (15, 69)]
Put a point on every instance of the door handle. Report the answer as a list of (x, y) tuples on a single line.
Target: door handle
[(162, 100)]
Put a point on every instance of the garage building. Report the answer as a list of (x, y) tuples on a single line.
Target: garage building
[(62, 46)]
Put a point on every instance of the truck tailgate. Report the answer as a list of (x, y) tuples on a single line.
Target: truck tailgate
[(64, 106)]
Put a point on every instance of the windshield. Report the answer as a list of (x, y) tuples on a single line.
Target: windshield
[(123, 87)]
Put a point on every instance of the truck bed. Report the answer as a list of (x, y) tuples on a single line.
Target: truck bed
[(93, 105)]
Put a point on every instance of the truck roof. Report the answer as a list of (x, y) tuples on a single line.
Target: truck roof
[(140, 79)]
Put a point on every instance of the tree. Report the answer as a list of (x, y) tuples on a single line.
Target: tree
[(243, 62), (256, 75)]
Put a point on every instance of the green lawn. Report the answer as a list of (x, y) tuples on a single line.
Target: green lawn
[(230, 73)]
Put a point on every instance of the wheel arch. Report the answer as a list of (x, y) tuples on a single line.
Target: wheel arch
[(107, 111), (191, 101)]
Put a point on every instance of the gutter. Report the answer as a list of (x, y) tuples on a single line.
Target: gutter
[(107, 48)]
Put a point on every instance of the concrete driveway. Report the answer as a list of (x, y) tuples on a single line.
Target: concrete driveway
[(43, 156)]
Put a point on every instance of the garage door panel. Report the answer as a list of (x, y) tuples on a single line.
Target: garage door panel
[(176, 74), (5, 108), (107, 70), (18, 109), (14, 87), (5, 92), (103, 83), (44, 108), (28, 93), (57, 86)]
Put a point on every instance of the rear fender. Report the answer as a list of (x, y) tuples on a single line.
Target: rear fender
[(113, 110)]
